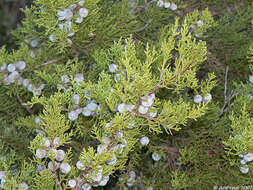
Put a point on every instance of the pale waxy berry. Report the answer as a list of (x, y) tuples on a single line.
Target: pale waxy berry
[(106, 140), (20, 65), (173, 6), (40, 132), (122, 108), (42, 86), (68, 26), (66, 14), (37, 120), (25, 82), (11, 68), (160, 3), (248, 157), (112, 68), (92, 106), (13, 76), (56, 141), (197, 99), (72, 183), (167, 5), (104, 181), (40, 168), (112, 161), (116, 77), (144, 140), (130, 107), (207, 98), (79, 20), (83, 12), (45, 142), (142, 109), (51, 38), (76, 99), (60, 155), (119, 134), (32, 54), (251, 78), (86, 112), (101, 148), (156, 156), (23, 186), (30, 88), (86, 186), (20, 80), (72, 6), (2, 179), (81, 3), (200, 23), (72, 115), (65, 79), (79, 78), (3, 67), (34, 43), (132, 174), (97, 176), (130, 184), (244, 169), (147, 101), (41, 153), (80, 165), (65, 167), (70, 42), (51, 166), (152, 114), (71, 34), (243, 162), (2, 174)]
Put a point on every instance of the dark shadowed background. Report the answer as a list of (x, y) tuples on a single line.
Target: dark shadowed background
[(10, 17)]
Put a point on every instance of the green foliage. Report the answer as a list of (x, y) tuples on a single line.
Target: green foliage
[(113, 100)]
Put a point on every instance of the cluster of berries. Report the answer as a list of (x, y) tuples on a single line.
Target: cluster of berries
[(98, 179), (113, 68), (88, 110), (12, 72), (146, 102), (67, 15), (198, 98), (49, 150), (167, 5), (21, 186), (245, 158), (78, 78), (193, 27)]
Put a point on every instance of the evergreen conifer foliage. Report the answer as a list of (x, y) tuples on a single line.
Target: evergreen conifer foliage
[(84, 99)]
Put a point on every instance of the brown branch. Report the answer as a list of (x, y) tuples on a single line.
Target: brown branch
[(145, 116), (26, 107), (82, 178), (56, 176), (47, 63)]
